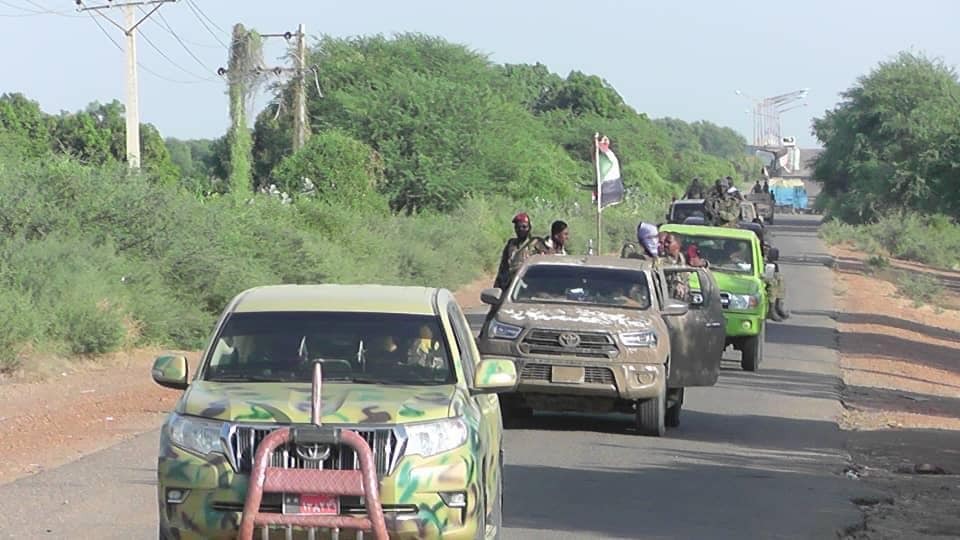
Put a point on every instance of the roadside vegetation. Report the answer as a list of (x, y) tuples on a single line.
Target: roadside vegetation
[(420, 152), (891, 161)]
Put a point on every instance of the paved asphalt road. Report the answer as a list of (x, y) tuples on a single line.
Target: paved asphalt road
[(757, 456)]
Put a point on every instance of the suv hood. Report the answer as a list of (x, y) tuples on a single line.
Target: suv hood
[(343, 403), (572, 317)]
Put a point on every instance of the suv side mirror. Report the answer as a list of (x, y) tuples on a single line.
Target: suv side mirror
[(696, 299), (773, 254), (491, 296), (171, 371), (494, 375)]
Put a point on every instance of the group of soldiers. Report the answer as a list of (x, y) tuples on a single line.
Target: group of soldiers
[(721, 203), (721, 209), (525, 244)]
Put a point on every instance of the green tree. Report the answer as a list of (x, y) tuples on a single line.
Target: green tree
[(893, 143), (21, 119), (342, 170)]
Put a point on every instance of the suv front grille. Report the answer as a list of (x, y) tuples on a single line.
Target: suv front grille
[(244, 440), (591, 374), (547, 342)]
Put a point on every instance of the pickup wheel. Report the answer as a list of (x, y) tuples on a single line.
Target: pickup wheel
[(651, 415), (752, 351), (673, 411)]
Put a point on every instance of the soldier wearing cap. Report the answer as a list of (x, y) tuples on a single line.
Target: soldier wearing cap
[(516, 251)]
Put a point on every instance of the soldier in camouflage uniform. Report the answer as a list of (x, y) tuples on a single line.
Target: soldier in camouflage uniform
[(671, 254), (721, 208), (516, 251)]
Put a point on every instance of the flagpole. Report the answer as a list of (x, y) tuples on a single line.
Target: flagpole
[(596, 161)]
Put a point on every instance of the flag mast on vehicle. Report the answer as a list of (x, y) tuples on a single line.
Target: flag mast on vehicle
[(609, 189)]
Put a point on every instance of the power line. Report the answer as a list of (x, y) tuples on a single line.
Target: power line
[(140, 64), (197, 13), (178, 66), (182, 44), (192, 3), (195, 43), (43, 10)]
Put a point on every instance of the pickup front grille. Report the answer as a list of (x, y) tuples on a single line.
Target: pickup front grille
[(591, 374), (548, 342), (244, 441)]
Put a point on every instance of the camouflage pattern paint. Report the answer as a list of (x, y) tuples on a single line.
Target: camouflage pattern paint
[(474, 467)]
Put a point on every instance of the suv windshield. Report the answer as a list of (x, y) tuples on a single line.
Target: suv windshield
[(560, 284), (375, 348), (725, 254)]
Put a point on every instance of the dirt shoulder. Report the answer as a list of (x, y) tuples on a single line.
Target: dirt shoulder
[(900, 363), (64, 409)]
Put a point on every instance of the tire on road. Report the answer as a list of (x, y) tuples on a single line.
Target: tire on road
[(752, 351), (651, 414), (672, 418)]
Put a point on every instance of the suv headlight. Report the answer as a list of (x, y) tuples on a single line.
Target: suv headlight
[(432, 438), (744, 301), (500, 330), (196, 434), (639, 339)]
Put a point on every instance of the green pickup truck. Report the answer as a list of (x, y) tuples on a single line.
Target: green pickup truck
[(738, 265)]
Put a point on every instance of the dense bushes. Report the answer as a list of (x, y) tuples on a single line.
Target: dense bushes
[(421, 151)]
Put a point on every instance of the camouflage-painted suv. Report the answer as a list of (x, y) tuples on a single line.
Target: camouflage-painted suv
[(400, 366)]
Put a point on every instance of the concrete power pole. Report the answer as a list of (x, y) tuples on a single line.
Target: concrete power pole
[(129, 28), (133, 94), (300, 90)]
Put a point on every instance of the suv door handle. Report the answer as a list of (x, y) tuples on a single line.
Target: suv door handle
[(713, 325)]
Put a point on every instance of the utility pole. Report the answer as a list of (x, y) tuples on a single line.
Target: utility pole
[(132, 109), (133, 95), (300, 117), (300, 85)]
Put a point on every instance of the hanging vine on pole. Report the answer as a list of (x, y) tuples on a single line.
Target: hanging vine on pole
[(245, 76)]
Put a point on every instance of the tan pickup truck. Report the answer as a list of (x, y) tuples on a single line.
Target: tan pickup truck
[(603, 334)]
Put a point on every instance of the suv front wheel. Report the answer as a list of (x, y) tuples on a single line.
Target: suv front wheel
[(752, 351), (651, 415)]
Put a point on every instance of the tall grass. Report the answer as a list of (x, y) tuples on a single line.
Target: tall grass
[(95, 259), (931, 240)]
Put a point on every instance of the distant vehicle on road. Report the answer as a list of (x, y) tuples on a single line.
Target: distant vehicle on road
[(791, 195), (764, 204), (603, 334), (400, 368)]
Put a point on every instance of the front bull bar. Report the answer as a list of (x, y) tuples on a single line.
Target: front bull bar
[(362, 483)]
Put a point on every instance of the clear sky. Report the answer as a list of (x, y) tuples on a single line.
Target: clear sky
[(684, 59)]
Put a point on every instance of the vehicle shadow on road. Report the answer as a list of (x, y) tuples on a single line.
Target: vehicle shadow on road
[(783, 382), (697, 495), (808, 336)]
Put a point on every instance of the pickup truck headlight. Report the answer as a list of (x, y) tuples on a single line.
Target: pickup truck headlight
[(639, 339), (196, 434), (744, 301), (500, 330), (432, 438)]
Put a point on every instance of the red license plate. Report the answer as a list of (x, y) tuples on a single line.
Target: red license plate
[(326, 505)]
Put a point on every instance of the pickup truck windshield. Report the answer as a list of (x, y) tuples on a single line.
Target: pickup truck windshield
[(374, 348), (682, 211), (579, 285), (725, 254)]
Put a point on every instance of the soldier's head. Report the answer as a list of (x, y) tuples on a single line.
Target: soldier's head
[(560, 233), (521, 225), (671, 245)]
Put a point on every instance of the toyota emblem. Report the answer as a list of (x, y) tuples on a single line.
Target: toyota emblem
[(313, 452), (569, 339)]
